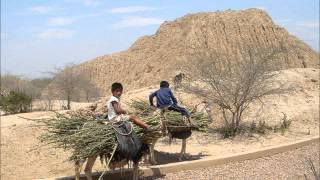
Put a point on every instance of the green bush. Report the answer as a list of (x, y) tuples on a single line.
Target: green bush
[(15, 102)]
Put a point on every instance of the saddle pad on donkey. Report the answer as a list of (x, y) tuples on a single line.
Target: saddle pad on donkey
[(129, 145), (181, 135)]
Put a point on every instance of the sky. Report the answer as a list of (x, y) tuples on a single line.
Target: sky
[(39, 35)]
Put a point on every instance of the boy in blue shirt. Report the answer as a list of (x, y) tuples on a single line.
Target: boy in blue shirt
[(166, 99)]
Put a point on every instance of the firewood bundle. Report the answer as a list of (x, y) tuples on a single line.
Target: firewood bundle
[(81, 134)]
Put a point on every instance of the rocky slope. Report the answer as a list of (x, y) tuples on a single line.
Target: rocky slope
[(176, 43)]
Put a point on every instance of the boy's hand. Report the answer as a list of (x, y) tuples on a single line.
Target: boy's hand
[(153, 108)]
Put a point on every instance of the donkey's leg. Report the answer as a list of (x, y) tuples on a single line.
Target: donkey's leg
[(77, 169), (183, 148), (146, 158), (89, 165), (135, 175), (152, 157), (170, 138)]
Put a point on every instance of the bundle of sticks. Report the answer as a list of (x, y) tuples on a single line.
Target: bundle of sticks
[(80, 133), (146, 113)]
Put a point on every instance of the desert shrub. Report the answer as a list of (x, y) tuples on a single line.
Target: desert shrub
[(226, 131), (15, 102), (259, 126), (233, 83), (262, 127), (284, 124), (234, 89)]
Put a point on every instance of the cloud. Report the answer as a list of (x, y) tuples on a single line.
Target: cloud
[(120, 10), (85, 2), (91, 2), (92, 15), (137, 22), (56, 34), (131, 9), (60, 21), (41, 9)]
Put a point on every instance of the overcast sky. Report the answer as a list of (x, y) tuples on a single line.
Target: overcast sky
[(38, 35)]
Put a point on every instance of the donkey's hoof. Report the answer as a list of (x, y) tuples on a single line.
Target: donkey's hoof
[(154, 163)]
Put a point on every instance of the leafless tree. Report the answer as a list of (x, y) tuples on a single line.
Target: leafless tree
[(11, 82), (89, 89), (232, 84), (32, 87), (65, 82), (47, 99), (71, 83), (44, 95)]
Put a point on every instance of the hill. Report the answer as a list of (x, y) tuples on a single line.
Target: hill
[(176, 43)]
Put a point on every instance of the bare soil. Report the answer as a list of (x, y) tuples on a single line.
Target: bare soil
[(20, 158), (288, 165)]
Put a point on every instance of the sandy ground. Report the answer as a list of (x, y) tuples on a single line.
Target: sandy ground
[(288, 165), (301, 105), (57, 105)]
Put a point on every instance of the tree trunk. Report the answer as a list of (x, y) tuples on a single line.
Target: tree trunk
[(87, 96), (237, 118), (233, 125), (68, 101)]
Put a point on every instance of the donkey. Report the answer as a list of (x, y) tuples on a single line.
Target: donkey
[(151, 149), (183, 136), (127, 148), (111, 166), (177, 80), (166, 133)]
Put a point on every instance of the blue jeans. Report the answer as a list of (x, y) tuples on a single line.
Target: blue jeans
[(183, 111)]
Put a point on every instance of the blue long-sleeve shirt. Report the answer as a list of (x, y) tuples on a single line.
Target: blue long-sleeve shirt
[(164, 97)]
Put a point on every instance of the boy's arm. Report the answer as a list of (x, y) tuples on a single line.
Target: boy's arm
[(117, 108), (151, 98), (174, 100)]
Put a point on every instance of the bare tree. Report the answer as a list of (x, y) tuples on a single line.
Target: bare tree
[(71, 83), (31, 87), (40, 84), (234, 85), (65, 82), (47, 98), (89, 89), (11, 82), (42, 93)]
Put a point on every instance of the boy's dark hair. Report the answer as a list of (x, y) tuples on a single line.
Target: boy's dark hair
[(164, 84), (116, 86)]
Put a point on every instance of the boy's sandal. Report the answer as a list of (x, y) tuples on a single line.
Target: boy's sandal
[(153, 128)]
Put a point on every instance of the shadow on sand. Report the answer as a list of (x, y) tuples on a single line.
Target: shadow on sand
[(126, 174)]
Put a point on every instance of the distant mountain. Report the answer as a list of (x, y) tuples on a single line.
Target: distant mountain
[(159, 56)]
